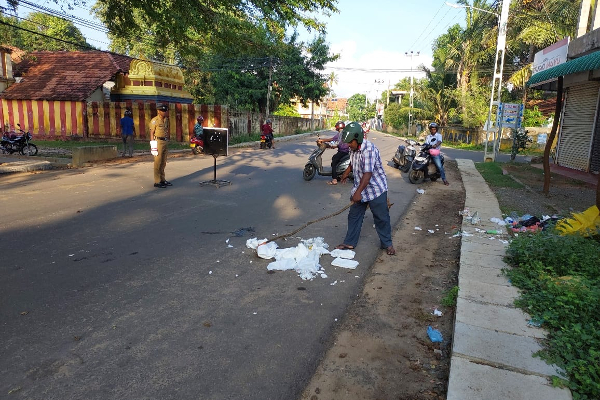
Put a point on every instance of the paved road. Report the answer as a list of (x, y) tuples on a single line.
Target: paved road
[(112, 289)]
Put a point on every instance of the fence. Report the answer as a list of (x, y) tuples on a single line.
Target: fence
[(70, 119), (243, 123)]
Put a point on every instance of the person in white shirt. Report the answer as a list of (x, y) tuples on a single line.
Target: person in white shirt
[(435, 140)]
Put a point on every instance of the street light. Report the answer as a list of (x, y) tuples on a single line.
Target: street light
[(410, 54), (497, 79)]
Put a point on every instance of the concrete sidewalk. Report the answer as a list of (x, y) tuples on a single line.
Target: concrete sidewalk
[(492, 352)]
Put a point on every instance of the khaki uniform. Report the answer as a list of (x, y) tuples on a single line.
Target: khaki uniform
[(159, 131)]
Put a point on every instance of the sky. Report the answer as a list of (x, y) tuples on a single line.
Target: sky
[(372, 39)]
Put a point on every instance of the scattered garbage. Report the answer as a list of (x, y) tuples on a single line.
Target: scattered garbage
[(437, 313), (418, 228), (434, 335), (430, 231), (348, 254), (535, 322), (421, 191), (475, 219), (498, 221), (344, 263)]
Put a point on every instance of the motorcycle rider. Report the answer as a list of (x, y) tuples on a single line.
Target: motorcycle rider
[(435, 140), (198, 129), (267, 130), (342, 148)]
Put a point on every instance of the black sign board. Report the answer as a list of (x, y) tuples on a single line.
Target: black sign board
[(216, 141)]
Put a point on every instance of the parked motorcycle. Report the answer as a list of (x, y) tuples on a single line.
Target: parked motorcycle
[(405, 155), (423, 167), (13, 143), (265, 141), (197, 144), (315, 162)]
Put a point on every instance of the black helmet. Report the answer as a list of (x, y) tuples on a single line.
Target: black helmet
[(353, 131), (339, 125), (434, 125), (128, 113)]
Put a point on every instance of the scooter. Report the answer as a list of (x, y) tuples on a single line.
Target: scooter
[(405, 155), (265, 141), (13, 143), (315, 163), (197, 144), (423, 167)]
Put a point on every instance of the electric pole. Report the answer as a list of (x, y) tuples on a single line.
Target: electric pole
[(496, 84), (411, 54)]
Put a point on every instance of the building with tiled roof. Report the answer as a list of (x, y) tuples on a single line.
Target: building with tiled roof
[(64, 75)]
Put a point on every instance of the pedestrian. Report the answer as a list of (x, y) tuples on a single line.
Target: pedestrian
[(369, 189), (159, 131), (435, 140), (342, 151), (127, 131)]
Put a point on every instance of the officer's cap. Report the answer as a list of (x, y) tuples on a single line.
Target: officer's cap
[(162, 108)]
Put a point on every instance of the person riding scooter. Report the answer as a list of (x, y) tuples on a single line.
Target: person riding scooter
[(267, 130), (434, 139), (342, 152)]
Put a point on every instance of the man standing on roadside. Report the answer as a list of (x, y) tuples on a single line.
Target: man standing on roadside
[(370, 189), (159, 131), (127, 131)]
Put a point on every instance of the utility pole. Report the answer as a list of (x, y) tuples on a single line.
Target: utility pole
[(269, 87), (497, 84), (411, 98)]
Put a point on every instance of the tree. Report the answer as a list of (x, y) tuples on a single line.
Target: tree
[(193, 27), (296, 73), (44, 32), (357, 111)]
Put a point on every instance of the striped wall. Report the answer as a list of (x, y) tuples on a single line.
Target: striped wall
[(64, 119), (44, 119), (103, 118)]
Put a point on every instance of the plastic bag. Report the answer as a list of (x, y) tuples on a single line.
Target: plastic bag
[(154, 147), (587, 222), (434, 335)]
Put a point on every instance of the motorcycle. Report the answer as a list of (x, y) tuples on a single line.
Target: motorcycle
[(265, 141), (423, 167), (13, 143), (197, 144), (315, 163), (405, 155)]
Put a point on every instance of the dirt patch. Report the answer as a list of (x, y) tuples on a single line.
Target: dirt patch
[(381, 350), (566, 195)]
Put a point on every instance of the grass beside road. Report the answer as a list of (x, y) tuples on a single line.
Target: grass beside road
[(494, 175)]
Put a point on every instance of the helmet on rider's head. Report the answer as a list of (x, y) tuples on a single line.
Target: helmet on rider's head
[(353, 131), (434, 125), (268, 121), (128, 113), (200, 118), (339, 125)]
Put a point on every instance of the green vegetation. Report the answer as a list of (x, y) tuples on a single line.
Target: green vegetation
[(560, 281), (494, 176), (449, 299)]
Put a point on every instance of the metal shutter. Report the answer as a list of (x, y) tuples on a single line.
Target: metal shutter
[(577, 126), (595, 159)]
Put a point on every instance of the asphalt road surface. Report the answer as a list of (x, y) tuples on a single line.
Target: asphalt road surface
[(113, 289)]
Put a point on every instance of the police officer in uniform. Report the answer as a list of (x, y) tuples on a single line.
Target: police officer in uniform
[(159, 131)]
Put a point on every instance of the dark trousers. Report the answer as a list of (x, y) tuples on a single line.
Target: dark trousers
[(335, 160), (381, 217)]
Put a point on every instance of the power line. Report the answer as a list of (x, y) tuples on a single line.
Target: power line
[(77, 20)]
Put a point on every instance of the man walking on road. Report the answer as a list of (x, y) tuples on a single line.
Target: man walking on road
[(369, 189), (159, 131)]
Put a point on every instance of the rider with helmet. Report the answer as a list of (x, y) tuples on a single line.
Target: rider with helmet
[(369, 189), (434, 139), (267, 130), (341, 153), (198, 129)]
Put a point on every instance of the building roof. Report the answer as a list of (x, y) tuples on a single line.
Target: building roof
[(337, 103), (586, 63), (64, 75)]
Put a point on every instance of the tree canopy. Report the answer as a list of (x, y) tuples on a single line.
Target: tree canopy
[(39, 31)]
